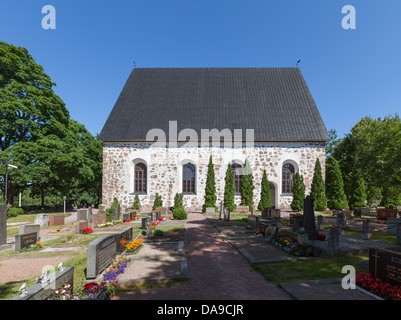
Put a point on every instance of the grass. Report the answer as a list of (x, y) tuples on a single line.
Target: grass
[(30, 217), (323, 267)]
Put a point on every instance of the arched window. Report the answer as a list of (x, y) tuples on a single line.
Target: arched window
[(237, 178), (140, 178), (188, 178), (288, 177)]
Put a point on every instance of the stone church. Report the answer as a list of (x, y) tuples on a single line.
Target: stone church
[(167, 122)]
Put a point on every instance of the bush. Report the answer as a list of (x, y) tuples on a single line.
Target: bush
[(179, 214), (13, 212)]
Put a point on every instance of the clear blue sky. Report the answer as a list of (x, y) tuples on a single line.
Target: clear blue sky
[(90, 54)]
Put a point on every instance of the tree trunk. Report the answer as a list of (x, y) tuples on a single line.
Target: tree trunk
[(10, 193), (42, 194)]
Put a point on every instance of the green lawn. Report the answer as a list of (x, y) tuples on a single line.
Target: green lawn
[(314, 268), (30, 217)]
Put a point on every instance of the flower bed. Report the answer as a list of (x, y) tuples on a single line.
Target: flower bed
[(33, 247), (291, 246), (87, 230), (378, 287), (117, 267), (132, 245)]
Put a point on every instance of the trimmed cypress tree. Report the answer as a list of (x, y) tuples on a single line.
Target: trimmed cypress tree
[(298, 193), (210, 189), (358, 190), (247, 185), (265, 200), (229, 189), (158, 202), (137, 203), (336, 198), (178, 201), (318, 188)]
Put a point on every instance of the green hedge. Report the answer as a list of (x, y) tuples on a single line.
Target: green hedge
[(179, 214), (13, 212)]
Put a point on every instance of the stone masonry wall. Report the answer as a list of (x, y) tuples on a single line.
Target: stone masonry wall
[(164, 169)]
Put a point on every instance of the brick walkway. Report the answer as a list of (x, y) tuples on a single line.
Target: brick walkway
[(217, 271)]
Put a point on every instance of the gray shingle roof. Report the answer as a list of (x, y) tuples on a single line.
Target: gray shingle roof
[(275, 102)]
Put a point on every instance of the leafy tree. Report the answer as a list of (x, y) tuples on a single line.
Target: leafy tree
[(336, 198), (391, 198), (247, 186), (158, 202), (210, 189), (298, 193), (358, 190), (318, 188), (137, 203), (36, 133), (229, 189), (265, 200)]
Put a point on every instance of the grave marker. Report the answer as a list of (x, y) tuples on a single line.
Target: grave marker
[(25, 240), (392, 224), (309, 218), (100, 253), (366, 230), (385, 264), (82, 214), (333, 241), (242, 209), (42, 219), (56, 220), (320, 223), (97, 219)]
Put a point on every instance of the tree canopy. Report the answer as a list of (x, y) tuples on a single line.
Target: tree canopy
[(37, 134)]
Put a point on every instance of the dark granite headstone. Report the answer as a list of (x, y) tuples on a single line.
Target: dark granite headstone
[(385, 264), (309, 218), (145, 222), (101, 252), (25, 240), (320, 223)]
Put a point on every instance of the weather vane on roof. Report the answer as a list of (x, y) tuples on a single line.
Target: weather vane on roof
[(298, 62), (134, 64)]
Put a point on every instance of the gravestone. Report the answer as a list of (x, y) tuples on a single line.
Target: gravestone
[(42, 219), (359, 211), (392, 224), (97, 219), (387, 213), (253, 209), (265, 212), (302, 236), (385, 264), (116, 216), (25, 240), (274, 212), (90, 214), (125, 235), (125, 216), (80, 225), (144, 222), (82, 214), (149, 228), (334, 241), (56, 220), (398, 235), (295, 226), (3, 224), (253, 222), (210, 210), (242, 209), (341, 222), (134, 213), (296, 220), (101, 252), (56, 279), (309, 218), (29, 228), (366, 230), (320, 223)]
